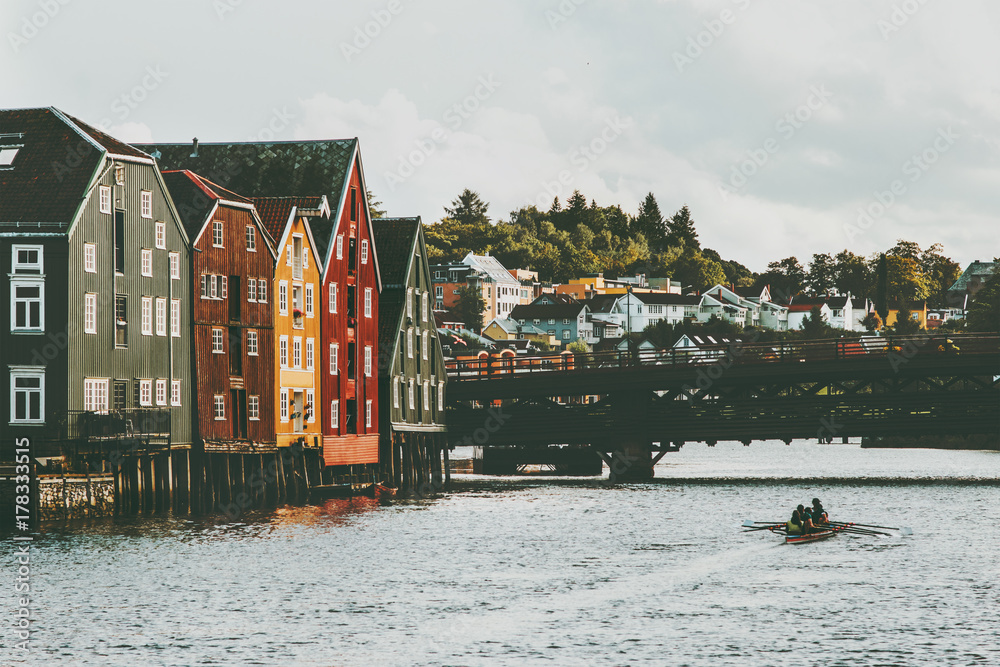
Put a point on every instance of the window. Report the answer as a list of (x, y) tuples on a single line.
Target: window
[(305, 258), (217, 233), (252, 343), (161, 235), (90, 258), (27, 259), (283, 351), (340, 247), (310, 402), (147, 316), (334, 353), (251, 289), (409, 343), (175, 392), (354, 204), (335, 414), (261, 291), (253, 408), (283, 298), (310, 353), (297, 255), (27, 297), (368, 413), (220, 407), (217, 341), (145, 392), (565, 320), (332, 298), (175, 266), (121, 320), (27, 395), (223, 287), (251, 239), (427, 394), (440, 395), (423, 306), (424, 347), (146, 204), (95, 395), (409, 302), (283, 405), (175, 318), (364, 251), (146, 267), (161, 392), (368, 302), (411, 395), (395, 392), (297, 352), (309, 300), (368, 361), (161, 317), (90, 313), (105, 198), (552, 320), (565, 334)]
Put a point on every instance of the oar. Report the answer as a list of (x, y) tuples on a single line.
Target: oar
[(862, 527), (750, 525), (865, 525)]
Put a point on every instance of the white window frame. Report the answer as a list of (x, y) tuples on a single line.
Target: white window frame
[(368, 302), (310, 353), (175, 265), (283, 351), (412, 397), (147, 316), (297, 352), (424, 344), (218, 341), (311, 402), (27, 372), (261, 291), (161, 392), (218, 234), (223, 287), (90, 313), (175, 318), (146, 262), (175, 392), (283, 405), (283, 297), (340, 246), (332, 298), (36, 268), (440, 395), (334, 358), (335, 414), (95, 395), (288, 255), (253, 408), (409, 302), (145, 393), (146, 204), (427, 395), (251, 238), (395, 392), (160, 235), (219, 407), (104, 198), (251, 290), (368, 413), (252, 343), (368, 361), (424, 302), (32, 281), (309, 300), (161, 316), (364, 251), (409, 343), (90, 257)]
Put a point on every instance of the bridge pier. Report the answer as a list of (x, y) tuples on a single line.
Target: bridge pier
[(632, 448)]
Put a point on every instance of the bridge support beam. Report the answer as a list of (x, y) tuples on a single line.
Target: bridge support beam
[(631, 450)]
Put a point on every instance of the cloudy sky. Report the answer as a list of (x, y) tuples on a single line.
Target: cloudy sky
[(788, 127)]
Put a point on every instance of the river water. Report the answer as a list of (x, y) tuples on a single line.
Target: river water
[(516, 571)]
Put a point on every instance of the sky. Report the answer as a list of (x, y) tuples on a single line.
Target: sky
[(787, 127)]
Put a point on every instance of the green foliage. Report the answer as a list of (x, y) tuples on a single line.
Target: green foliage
[(786, 278), (905, 325), (469, 308), (872, 322), (374, 206), (680, 229), (664, 334), (984, 312), (815, 326), (954, 326), (579, 346)]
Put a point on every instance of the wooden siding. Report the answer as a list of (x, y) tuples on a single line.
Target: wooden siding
[(350, 449), (256, 372), (288, 378), (146, 357), (338, 329)]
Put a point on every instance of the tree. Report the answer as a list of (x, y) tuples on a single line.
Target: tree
[(374, 206), (940, 273), (649, 222), (872, 322), (693, 269), (786, 278), (853, 274), (468, 209), (905, 280), (984, 313), (814, 325), (680, 229), (822, 276), (882, 288), (579, 346), (905, 323), (470, 307)]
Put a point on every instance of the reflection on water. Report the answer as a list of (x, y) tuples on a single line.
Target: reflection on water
[(519, 571)]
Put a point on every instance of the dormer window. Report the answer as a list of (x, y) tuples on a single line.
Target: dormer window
[(119, 174), (7, 155)]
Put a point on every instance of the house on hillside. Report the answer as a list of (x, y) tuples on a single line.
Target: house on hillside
[(797, 313), (846, 311), (232, 264), (917, 308), (505, 329), (567, 321), (971, 281), (97, 287)]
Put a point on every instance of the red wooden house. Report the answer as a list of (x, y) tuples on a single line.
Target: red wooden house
[(232, 265)]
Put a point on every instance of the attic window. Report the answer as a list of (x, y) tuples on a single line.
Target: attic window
[(7, 155)]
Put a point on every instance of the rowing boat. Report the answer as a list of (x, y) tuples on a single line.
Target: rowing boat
[(811, 537)]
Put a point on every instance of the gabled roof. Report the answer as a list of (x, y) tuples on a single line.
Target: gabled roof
[(55, 168), (662, 298), (396, 240), (196, 197), (805, 307), (545, 311), (514, 327), (548, 298), (979, 269), (602, 303), (491, 267), (835, 302), (276, 212)]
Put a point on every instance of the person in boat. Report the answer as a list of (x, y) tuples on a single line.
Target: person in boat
[(807, 520), (794, 525), (819, 515)]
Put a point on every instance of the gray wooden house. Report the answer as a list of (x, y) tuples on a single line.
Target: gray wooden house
[(96, 338)]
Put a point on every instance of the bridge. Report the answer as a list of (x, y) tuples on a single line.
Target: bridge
[(632, 408)]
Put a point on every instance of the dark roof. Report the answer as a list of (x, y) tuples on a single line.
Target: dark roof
[(602, 303), (274, 213), (981, 269), (833, 302), (395, 239), (545, 311), (50, 175), (660, 298), (194, 198), (276, 169), (442, 317)]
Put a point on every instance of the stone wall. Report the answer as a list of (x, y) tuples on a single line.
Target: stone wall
[(75, 496)]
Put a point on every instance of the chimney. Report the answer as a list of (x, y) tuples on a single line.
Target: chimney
[(194, 147)]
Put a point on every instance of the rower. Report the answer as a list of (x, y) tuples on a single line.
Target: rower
[(818, 513), (794, 525), (807, 520)]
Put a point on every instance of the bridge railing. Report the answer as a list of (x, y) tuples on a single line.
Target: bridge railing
[(737, 353)]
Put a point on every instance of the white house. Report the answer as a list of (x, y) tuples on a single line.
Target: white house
[(505, 292), (797, 313)]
